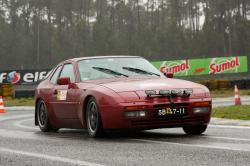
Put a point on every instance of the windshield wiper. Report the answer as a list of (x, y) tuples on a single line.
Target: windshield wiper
[(136, 70), (109, 71)]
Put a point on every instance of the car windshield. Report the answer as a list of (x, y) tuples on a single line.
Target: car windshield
[(93, 69)]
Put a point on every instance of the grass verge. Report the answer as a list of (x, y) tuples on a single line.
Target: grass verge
[(18, 102), (232, 112)]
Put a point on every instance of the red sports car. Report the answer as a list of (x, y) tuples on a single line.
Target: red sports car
[(119, 92)]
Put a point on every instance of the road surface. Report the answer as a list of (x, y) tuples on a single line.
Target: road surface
[(22, 144)]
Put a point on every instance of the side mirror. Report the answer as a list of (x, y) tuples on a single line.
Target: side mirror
[(63, 81), (169, 75)]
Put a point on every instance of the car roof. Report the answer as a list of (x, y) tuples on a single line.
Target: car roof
[(100, 57)]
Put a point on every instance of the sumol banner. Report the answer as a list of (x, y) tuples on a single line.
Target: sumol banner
[(190, 67)]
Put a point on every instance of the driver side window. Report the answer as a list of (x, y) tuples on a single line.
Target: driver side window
[(55, 76), (68, 71)]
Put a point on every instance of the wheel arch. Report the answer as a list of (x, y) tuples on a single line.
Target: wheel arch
[(85, 102), (37, 100)]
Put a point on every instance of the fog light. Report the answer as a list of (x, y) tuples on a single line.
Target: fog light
[(142, 113), (130, 114), (150, 92), (165, 92), (197, 110), (135, 114)]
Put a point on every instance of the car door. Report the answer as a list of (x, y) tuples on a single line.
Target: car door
[(63, 101)]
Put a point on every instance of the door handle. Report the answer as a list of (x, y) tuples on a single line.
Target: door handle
[(72, 86), (55, 92)]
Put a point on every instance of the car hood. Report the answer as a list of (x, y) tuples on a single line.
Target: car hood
[(141, 84)]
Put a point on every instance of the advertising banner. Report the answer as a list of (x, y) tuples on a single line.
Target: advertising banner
[(22, 76), (209, 66), (186, 67)]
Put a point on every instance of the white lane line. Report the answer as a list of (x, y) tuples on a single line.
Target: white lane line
[(228, 122), (3, 118), (48, 157), (20, 125), (20, 108), (230, 127), (193, 145), (227, 138)]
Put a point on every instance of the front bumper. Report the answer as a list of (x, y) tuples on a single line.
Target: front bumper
[(113, 116)]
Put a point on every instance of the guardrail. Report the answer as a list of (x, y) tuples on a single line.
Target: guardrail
[(6, 90)]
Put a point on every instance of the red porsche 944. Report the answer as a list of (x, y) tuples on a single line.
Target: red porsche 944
[(118, 92)]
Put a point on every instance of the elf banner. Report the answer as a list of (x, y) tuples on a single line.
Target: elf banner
[(208, 66), (22, 76)]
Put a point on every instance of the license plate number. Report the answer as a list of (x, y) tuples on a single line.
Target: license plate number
[(172, 111)]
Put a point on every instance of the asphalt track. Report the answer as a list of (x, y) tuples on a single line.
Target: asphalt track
[(22, 144)]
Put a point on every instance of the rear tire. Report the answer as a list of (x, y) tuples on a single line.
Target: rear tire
[(43, 118), (195, 130), (93, 119)]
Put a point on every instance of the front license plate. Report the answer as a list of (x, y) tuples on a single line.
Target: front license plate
[(172, 112)]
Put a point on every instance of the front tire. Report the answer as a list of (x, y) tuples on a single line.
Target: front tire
[(195, 130), (43, 118), (93, 119)]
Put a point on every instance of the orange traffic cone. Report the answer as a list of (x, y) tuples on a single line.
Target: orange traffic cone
[(1, 105), (236, 96)]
